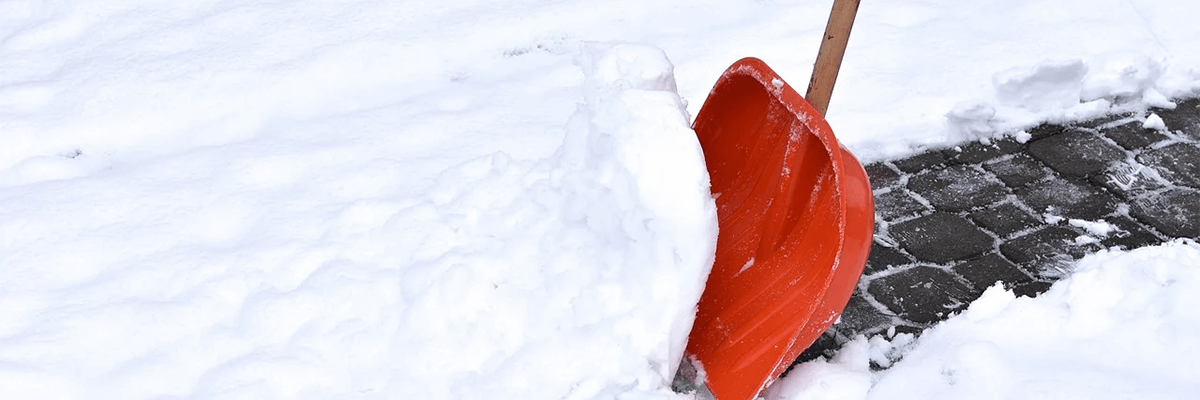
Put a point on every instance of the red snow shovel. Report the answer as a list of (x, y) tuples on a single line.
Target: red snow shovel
[(796, 219)]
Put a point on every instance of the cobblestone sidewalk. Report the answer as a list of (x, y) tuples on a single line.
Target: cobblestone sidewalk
[(953, 222)]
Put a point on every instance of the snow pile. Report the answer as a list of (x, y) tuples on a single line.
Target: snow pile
[(265, 199), (1046, 86), (846, 376), (1123, 325), (297, 266), (576, 277), (1061, 91), (1155, 122)]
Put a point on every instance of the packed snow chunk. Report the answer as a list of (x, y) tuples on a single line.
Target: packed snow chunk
[(617, 67), (973, 119), (575, 276), (1022, 136), (1047, 86), (1154, 98), (846, 376), (1124, 325), (1125, 77), (1155, 122), (1099, 228)]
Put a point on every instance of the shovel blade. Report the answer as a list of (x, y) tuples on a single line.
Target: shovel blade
[(796, 219)]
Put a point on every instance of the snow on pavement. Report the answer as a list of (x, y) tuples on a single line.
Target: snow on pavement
[(377, 199), (1123, 326)]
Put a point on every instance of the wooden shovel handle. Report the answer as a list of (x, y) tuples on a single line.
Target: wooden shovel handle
[(829, 58)]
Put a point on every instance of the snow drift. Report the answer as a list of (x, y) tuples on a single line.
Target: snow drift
[(284, 269)]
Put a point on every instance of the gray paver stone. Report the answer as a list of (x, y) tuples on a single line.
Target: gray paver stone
[(1031, 289), (1048, 242), (826, 345), (1017, 171), (1042, 253), (922, 294), (957, 188), (942, 237), (1184, 118), (921, 162), (1105, 120), (1132, 235), (1178, 163), (1044, 131), (1076, 152), (1133, 136), (883, 257), (897, 203), (1005, 219), (976, 152), (983, 272), (881, 175), (860, 316), (1128, 179), (1068, 199), (1175, 212)]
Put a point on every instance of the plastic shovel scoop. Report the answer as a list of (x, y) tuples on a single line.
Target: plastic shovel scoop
[(796, 219)]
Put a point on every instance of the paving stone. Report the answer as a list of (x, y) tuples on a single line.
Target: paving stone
[(1017, 171), (922, 294), (1128, 179), (1076, 152), (1045, 130), (1041, 252), (921, 162), (905, 329), (957, 188), (1132, 235), (1175, 213), (1178, 163), (883, 257), (983, 272), (825, 346), (1031, 289), (881, 175), (861, 316), (1047, 242), (1098, 123), (942, 237), (897, 203), (1005, 219), (976, 152), (1184, 118), (1133, 136), (1076, 171), (1068, 199)]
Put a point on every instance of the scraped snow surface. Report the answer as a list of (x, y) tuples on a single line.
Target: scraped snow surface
[(373, 199)]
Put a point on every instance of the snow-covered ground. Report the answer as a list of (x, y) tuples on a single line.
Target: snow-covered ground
[(378, 199)]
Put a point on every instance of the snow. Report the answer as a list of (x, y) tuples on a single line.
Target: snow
[(278, 270), (372, 199), (1099, 227), (1123, 325), (1047, 85), (1155, 122)]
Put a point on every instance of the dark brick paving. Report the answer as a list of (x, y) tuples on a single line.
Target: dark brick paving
[(952, 222)]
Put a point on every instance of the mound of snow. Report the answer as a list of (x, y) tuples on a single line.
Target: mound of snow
[(1061, 91), (573, 277), (1124, 325), (1046, 86)]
